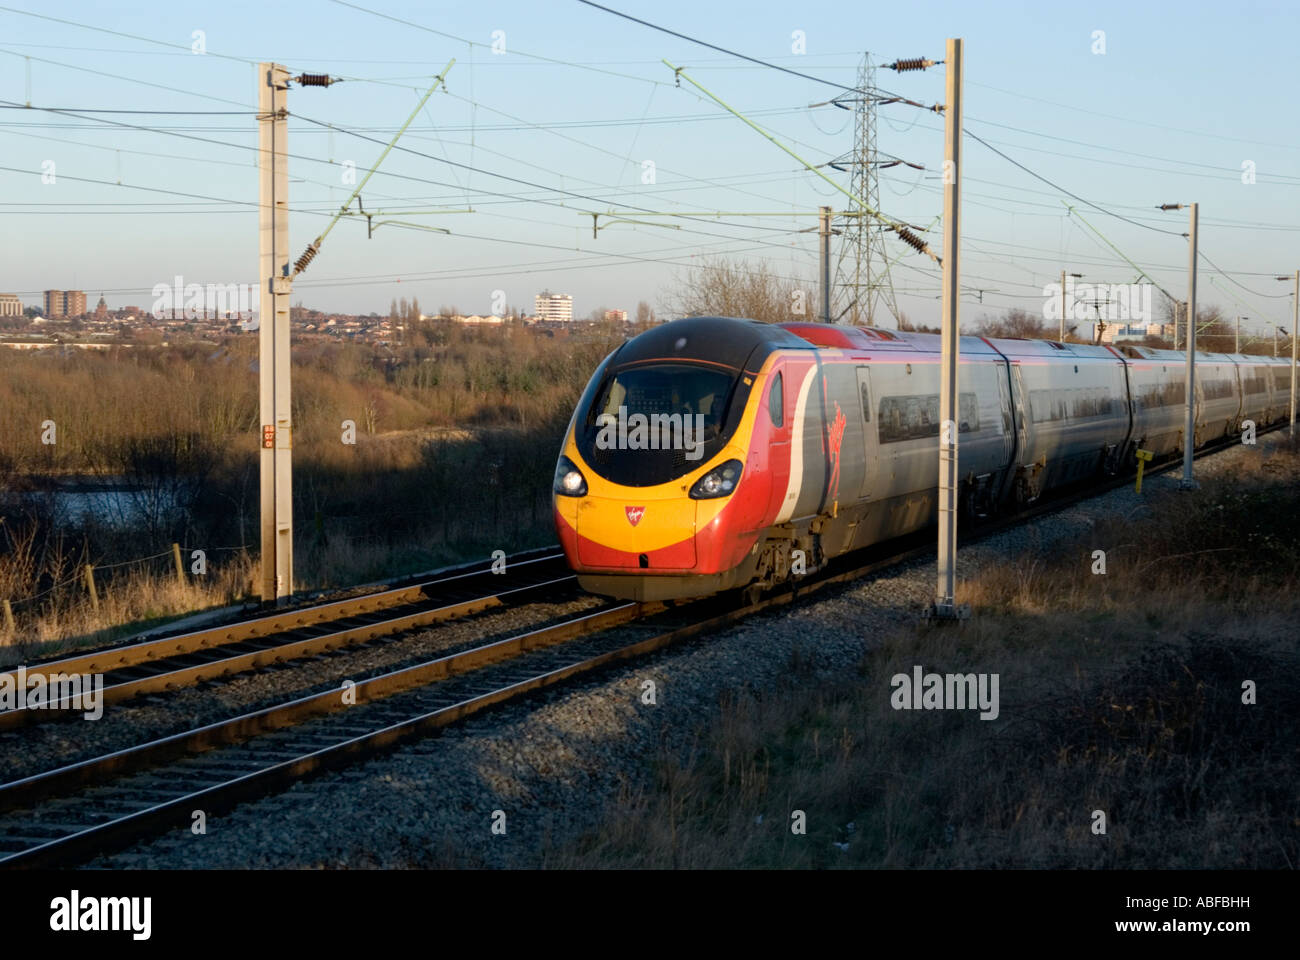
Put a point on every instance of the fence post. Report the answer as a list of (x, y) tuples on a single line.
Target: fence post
[(180, 568), (90, 587), (10, 630)]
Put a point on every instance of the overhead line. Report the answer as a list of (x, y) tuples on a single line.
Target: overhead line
[(711, 46)]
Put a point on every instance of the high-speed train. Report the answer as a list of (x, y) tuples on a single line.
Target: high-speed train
[(705, 451)]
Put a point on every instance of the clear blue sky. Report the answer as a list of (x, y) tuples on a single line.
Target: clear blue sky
[(1183, 95)]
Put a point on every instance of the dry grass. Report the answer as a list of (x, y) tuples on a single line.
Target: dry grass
[(415, 491), (132, 600), (1120, 693)]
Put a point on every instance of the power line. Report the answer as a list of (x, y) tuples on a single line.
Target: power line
[(1068, 193), (1225, 275), (472, 43), (1144, 123), (119, 33), (118, 76), (402, 176), (1131, 153), (184, 113), (529, 183), (702, 43)]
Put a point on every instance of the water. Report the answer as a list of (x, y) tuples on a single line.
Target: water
[(109, 502)]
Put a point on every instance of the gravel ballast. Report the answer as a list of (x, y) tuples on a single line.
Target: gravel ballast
[(553, 764)]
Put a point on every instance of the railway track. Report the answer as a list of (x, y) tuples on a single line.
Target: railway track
[(168, 663), (69, 814)]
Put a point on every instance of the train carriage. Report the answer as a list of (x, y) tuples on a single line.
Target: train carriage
[(1218, 397), (1157, 394), (1258, 397), (1279, 408), (1073, 413), (712, 453)]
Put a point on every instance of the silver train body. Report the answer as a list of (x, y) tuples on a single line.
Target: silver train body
[(1034, 415)]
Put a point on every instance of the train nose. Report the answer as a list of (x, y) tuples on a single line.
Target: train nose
[(636, 534)]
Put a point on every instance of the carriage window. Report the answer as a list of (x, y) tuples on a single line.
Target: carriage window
[(866, 403), (912, 418), (776, 401)]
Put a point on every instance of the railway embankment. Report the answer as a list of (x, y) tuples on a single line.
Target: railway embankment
[(1145, 716)]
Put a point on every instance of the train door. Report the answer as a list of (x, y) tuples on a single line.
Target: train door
[(1007, 420), (1023, 453), (871, 467), (780, 412)]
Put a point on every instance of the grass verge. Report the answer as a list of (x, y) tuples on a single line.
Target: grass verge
[(1121, 692)]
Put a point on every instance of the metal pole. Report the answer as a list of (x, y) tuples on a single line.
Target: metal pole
[(945, 599), (1236, 348), (273, 335), (1295, 322), (825, 236), (1062, 337), (1189, 432)]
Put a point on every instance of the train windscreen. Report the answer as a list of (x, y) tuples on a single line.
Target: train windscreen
[(652, 423)]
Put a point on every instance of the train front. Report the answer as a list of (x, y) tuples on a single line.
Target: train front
[(651, 493)]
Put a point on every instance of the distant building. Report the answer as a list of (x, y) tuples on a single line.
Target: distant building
[(101, 309), (1116, 332), (10, 305), (65, 303), (556, 307), (475, 318), (618, 316)]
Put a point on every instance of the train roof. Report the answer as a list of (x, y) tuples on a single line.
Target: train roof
[(1163, 355), (844, 337), (1259, 358), (740, 344), (1052, 349), (729, 341)]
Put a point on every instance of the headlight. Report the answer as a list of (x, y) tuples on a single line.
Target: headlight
[(719, 482), (569, 481)]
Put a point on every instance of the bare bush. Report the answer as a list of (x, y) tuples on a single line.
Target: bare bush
[(722, 287)]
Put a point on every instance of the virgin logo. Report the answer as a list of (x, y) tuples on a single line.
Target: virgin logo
[(634, 514)]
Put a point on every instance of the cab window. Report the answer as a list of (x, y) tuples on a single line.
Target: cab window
[(776, 401)]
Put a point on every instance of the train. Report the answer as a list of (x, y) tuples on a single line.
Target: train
[(716, 453)]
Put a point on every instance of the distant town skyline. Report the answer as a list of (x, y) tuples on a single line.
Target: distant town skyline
[(539, 126)]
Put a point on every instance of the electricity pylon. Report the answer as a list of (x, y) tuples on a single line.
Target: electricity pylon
[(865, 292)]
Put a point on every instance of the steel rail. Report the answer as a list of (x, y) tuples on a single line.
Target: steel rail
[(278, 772), (157, 652)]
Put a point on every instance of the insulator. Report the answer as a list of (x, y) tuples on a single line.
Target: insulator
[(916, 63), (315, 80), (307, 256), (911, 239)]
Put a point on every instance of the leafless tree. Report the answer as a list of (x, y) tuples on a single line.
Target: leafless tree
[(736, 288), (1019, 324)]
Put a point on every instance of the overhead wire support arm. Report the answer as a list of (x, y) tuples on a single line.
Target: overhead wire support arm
[(314, 247), (901, 229), (1141, 272), (372, 224), (616, 217)]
